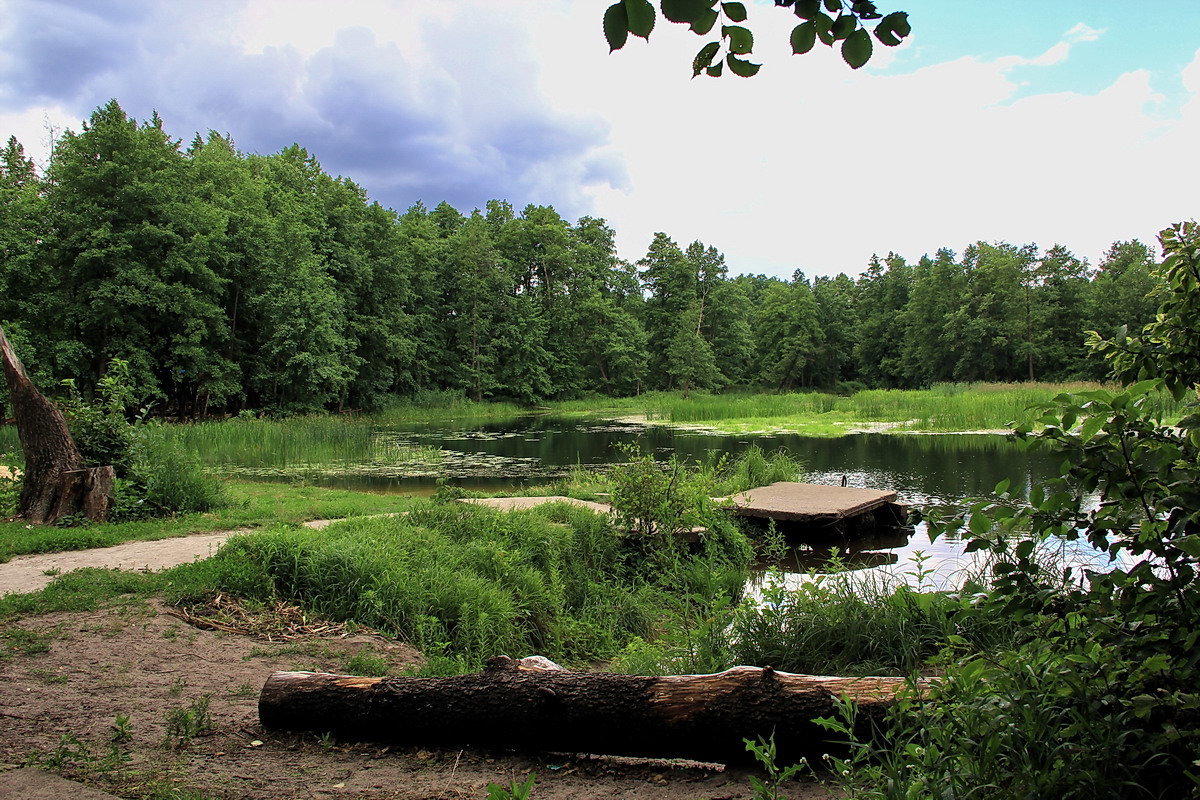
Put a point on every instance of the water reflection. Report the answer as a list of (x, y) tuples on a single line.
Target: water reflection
[(921, 469)]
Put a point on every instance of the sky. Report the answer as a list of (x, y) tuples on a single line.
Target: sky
[(1075, 122)]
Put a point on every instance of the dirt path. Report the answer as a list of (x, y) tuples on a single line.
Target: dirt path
[(31, 573), (62, 702)]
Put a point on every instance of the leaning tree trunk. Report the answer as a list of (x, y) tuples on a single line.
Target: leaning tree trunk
[(56, 483), (534, 705)]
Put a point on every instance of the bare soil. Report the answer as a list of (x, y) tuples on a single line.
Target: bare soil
[(139, 661)]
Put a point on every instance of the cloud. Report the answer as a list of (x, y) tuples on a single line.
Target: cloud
[(445, 115)]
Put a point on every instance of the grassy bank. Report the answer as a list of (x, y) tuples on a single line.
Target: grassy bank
[(945, 408), (251, 505)]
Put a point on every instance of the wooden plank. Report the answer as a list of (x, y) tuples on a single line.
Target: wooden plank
[(808, 502)]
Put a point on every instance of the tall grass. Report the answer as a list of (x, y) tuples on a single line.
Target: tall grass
[(296, 442), (945, 407), (444, 406), (465, 583)]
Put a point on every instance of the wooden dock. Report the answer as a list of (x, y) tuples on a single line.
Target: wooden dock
[(840, 510)]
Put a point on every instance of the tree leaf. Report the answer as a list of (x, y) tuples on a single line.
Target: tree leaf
[(898, 23), (641, 17), (741, 67), (856, 50), (704, 21), (804, 36), (704, 58), (807, 9), (843, 26), (715, 70), (833, 6), (824, 24), (735, 11), (683, 10), (616, 26), (741, 40)]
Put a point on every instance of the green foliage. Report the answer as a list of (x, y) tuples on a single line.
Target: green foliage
[(766, 754), (465, 583), (186, 723), (517, 790), (1098, 695), (849, 27), (100, 428), (652, 499)]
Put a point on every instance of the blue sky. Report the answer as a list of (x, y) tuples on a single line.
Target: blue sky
[(1074, 122)]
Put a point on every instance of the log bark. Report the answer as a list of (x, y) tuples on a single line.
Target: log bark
[(523, 705), (56, 483)]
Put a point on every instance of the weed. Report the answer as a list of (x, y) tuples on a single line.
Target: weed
[(516, 790), (765, 753), (327, 741), (48, 676), (122, 730), (176, 687), (185, 724), (243, 691), (23, 642), (366, 661)]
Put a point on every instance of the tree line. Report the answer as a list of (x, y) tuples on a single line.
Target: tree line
[(230, 281)]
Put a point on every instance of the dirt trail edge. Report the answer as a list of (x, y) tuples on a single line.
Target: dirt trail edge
[(35, 572)]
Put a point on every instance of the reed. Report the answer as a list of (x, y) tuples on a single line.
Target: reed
[(461, 583), (294, 445), (942, 408)]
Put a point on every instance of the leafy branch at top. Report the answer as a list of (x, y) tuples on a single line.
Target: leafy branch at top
[(827, 21)]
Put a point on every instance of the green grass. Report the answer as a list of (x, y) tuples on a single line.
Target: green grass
[(296, 446), (943, 408), (252, 505)]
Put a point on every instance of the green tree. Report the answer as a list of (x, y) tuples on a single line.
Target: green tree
[(789, 334), (883, 292), (129, 251)]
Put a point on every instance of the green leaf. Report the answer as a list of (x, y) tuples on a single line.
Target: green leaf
[(843, 26), (683, 10), (897, 22), (735, 11), (833, 6), (824, 25), (804, 36), (1002, 486), (704, 58), (741, 67), (741, 40), (704, 21), (641, 17), (980, 524), (616, 26), (856, 50), (715, 70), (1189, 544), (807, 9)]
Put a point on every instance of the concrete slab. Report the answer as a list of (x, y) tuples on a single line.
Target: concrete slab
[(29, 783), (522, 503), (808, 502)]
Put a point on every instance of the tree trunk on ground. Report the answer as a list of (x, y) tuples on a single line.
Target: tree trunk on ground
[(525, 705), (56, 483)]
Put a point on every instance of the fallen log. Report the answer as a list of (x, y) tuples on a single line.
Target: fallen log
[(532, 704)]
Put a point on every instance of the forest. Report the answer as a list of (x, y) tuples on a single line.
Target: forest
[(232, 281)]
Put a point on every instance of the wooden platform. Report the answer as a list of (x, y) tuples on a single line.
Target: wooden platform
[(809, 502)]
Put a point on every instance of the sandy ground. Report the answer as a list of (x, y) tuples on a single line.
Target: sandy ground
[(139, 661)]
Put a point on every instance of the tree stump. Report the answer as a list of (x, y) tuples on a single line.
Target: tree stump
[(524, 705), (56, 482)]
